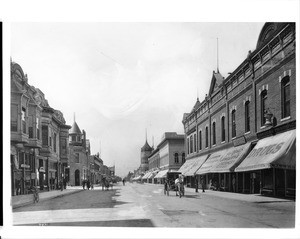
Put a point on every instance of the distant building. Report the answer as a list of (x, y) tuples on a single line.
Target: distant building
[(145, 152), (79, 156)]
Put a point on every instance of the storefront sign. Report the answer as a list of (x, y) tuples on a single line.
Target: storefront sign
[(270, 149), (25, 166), (42, 170)]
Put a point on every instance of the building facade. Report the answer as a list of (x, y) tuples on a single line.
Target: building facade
[(39, 149), (79, 156), (242, 114)]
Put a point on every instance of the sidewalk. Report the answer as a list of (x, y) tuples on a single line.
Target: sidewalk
[(22, 200), (254, 198)]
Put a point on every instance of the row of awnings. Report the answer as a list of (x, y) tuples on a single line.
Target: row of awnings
[(278, 151)]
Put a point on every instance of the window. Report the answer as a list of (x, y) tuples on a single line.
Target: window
[(38, 128), (14, 118), (233, 124), (263, 97), (63, 144), (176, 158), (23, 120), (247, 116), (206, 137), (45, 135), (76, 157), (195, 143), (223, 128), (200, 140), (285, 94), (54, 142), (73, 138), (30, 126), (188, 145), (191, 144), (183, 158), (214, 132)]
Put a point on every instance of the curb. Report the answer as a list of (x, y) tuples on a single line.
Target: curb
[(44, 199)]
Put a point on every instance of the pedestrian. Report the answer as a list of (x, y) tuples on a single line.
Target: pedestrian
[(83, 184), (202, 184), (61, 185), (233, 184), (92, 186), (196, 184), (176, 185), (88, 184), (166, 187), (123, 181), (103, 183)]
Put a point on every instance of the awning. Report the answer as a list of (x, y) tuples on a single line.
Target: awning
[(146, 175), (278, 151), (231, 159), (211, 162), (187, 165), (196, 165), (162, 174)]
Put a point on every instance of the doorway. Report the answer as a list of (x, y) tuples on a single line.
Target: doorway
[(77, 177)]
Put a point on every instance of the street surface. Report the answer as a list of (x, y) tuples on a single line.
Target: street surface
[(145, 205)]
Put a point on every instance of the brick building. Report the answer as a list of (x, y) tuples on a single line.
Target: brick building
[(39, 149), (241, 137)]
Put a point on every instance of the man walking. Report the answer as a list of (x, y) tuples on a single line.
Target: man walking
[(202, 184)]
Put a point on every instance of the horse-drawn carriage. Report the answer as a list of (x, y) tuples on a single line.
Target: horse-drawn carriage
[(174, 182)]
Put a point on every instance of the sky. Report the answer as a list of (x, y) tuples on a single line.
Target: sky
[(124, 79)]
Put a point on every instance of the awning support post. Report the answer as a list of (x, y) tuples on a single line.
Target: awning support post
[(243, 183), (285, 182), (274, 185)]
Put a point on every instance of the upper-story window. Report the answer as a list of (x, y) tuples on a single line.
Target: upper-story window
[(37, 128), (223, 128), (30, 126), (76, 157), (233, 125), (263, 98), (195, 143), (14, 118), (188, 145), (54, 141), (206, 137), (247, 116), (285, 95), (214, 132), (191, 144), (176, 158), (24, 120), (45, 135), (73, 138), (200, 140), (183, 157)]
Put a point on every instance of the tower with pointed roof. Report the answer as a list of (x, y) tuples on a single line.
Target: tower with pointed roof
[(145, 152)]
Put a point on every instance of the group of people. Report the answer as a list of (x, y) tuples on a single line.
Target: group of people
[(88, 184)]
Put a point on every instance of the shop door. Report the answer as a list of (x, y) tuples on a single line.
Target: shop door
[(255, 183), (77, 178)]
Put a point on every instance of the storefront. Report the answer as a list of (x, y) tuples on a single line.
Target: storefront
[(210, 178), (161, 175), (271, 165), (190, 167)]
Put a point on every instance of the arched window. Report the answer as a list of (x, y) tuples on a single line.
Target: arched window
[(195, 143), (200, 140), (233, 125), (176, 158), (191, 144), (214, 132), (247, 116), (206, 137), (183, 158), (223, 128), (285, 96), (263, 98)]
